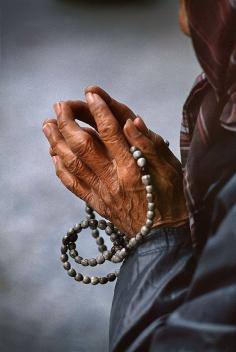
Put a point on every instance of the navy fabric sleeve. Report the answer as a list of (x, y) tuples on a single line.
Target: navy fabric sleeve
[(153, 282), (169, 301), (207, 319)]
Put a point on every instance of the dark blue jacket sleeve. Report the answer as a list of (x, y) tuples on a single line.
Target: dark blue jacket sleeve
[(168, 299)]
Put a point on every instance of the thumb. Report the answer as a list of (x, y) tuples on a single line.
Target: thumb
[(155, 138), (136, 138)]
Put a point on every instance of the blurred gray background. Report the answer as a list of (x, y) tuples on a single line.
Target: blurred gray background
[(50, 51)]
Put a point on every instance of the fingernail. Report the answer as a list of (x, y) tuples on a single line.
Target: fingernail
[(47, 130), (131, 130), (45, 122), (57, 108), (140, 124), (90, 98), (139, 118)]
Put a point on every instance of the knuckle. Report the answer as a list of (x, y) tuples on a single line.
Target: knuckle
[(110, 133), (62, 124), (55, 145), (74, 165), (83, 144)]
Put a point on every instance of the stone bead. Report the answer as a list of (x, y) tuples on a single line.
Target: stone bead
[(149, 223), (108, 230), (94, 280), (86, 280), (102, 224), (102, 248), (137, 154), (64, 258), (74, 237), (115, 259), (141, 162), (118, 253), (73, 253), (92, 262), (145, 230), (150, 214), (149, 197), (103, 280), (109, 224), (100, 241), (146, 180), (107, 255), (67, 266), (123, 252), (133, 149), (167, 142), (70, 231), (84, 262), (72, 246), (149, 189), (72, 272), (111, 277), (90, 216), (78, 259), (64, 249), (93, 224), (84, 224), (77, 228), (100, 259), (132, 242), (88, 209), (113, 250), (117, 248), (95, 233), (79, 277), (66, 239), (139, 237), (113, 237), (151, 206)]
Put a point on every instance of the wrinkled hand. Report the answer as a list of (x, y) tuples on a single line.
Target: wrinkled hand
[(96, 165)]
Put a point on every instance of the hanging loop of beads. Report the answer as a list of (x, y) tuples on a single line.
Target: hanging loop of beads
[(122, 246)]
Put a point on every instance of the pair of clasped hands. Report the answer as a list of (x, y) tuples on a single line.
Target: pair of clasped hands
[(96, 165)]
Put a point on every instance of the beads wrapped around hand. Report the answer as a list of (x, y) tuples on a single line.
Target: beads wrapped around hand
[(121, 245)]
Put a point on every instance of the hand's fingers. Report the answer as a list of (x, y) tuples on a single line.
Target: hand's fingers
[(140, 124), (52, 152), (84, 145), (71, 182), (73, 164), (52, 120), (146, 146), (65, 119), (109, 129), (121, 111), (81, 112), (159, 143)]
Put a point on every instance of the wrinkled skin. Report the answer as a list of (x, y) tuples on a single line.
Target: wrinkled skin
[(96, 165)]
